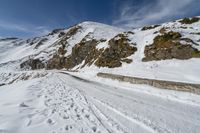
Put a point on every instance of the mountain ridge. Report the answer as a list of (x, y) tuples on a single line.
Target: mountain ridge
[(96, 46)]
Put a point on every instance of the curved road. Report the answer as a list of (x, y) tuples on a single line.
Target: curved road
[(136, 112)]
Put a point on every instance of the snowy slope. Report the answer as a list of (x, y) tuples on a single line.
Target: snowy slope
[(172, 70), (57, 102), (50, 104), (19, 50)]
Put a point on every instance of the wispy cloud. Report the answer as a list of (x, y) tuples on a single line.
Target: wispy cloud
[(154, 11), (10, 26), (32, 30)]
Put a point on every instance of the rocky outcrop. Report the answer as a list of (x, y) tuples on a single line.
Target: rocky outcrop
[(55, 31), (86, 52), (119, 49), (72, 31), (41, 42), (149, 27), (189, 20), (97, 49), (32, 64), (58, 60), (169, 46)]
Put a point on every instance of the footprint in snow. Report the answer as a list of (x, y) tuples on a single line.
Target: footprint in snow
[(51, 122), (23, 105), (68, 127)]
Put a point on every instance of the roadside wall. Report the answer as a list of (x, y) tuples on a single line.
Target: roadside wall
[(178, 86)]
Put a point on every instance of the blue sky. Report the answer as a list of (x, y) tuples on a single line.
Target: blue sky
[(28, 18)]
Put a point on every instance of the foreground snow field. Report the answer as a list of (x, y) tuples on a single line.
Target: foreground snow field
[(58, 102)]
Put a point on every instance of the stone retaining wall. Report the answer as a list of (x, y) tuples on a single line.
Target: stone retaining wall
[(178, 86)]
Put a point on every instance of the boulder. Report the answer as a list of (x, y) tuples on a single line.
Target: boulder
[(169, 46)]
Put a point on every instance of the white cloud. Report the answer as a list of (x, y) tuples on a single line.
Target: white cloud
[(41, 30), (33, 30), (10, 26), (153, 12)]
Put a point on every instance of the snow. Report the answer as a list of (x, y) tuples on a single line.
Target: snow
[(175, 70), (95, 30), (171, 70), (12, 52), (101, 31), (102, 45), (56, 101), (59, 102)]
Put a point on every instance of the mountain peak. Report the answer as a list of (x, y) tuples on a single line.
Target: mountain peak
[(93, 44)]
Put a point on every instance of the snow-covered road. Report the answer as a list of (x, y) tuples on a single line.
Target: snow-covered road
[(60, 102)]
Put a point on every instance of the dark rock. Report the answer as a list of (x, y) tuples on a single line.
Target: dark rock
[(57, 62), (61, 34), (23, 105), (119, 48), (55, 31), (85, 50), (72, 31), (189, 20), (32, 64), (130, 32), (168, 46), (189, 41), (195, 33), (2, 84), (149, 27), (163, 30), (183, 27), (41, 42), (127, 60), (8, 39)]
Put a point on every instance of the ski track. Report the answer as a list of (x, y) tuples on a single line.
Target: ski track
[(60, 103)]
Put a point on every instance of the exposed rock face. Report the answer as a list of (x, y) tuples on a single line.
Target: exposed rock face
[(119, 49), (55, 31), (72, 31), (96, 48), (58, 60), (41, 42), (168, 46), (189, 20), (33, 64), (85, 50), (149, 27)]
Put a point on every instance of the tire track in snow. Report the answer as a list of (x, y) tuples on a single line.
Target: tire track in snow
[(110, 125), (146, 124), (139, 120)]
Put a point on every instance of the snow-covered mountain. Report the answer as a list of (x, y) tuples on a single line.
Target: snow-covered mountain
[(167, 51), (49, 83)]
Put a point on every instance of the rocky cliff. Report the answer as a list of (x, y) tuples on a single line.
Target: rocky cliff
[(95, 44)]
